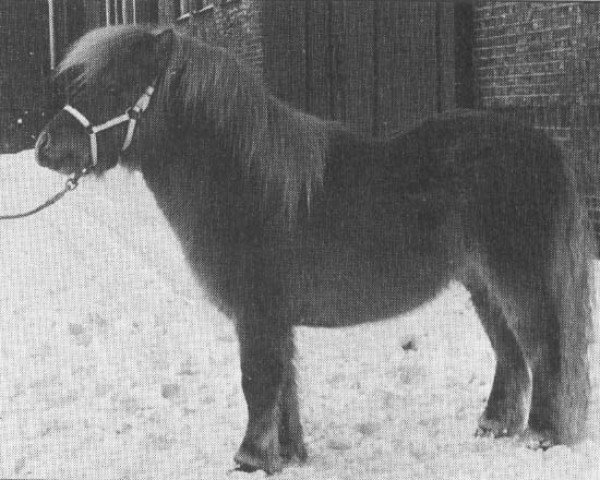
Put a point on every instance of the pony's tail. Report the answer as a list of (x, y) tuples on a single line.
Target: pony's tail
[(572, 282)]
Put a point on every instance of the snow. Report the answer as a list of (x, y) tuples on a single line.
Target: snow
[(113, 364)]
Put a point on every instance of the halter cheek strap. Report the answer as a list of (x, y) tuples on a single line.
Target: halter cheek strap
[(131, 115)]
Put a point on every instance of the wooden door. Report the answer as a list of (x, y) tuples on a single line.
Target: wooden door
[(379, 66), (24, 70)]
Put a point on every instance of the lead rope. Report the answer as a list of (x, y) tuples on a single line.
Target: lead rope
[(70, 184), (131, 116)]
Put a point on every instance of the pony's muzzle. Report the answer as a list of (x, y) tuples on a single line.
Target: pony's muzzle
[(49, 155), (42, 141), (42, 145)]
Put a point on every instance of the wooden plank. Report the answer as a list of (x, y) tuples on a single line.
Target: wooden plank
[(70, 23), (319, 58), (25, 95), (95, 13), (146, 11), (465, 92), (285, 53), (446, 57), (407, 69), (379, 68), (353, 72)]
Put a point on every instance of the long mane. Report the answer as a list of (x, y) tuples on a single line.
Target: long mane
[(285, 146)]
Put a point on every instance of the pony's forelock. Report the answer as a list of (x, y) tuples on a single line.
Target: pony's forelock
[(92, 54)]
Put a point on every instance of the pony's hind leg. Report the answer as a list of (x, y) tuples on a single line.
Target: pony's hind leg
[(274, 432), (508, 404), (557, 394), (545, 383)]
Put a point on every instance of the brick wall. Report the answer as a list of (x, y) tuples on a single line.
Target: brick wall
[(541, 59), (233, 24)]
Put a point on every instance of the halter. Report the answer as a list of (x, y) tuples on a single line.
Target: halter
[(131, 115)]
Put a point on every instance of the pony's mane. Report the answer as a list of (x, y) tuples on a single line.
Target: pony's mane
[(285, 146)]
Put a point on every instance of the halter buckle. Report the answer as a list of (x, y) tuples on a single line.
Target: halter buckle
[(133, 113), (71, 183)]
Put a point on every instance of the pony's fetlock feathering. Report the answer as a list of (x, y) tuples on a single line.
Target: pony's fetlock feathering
[(289, 220)]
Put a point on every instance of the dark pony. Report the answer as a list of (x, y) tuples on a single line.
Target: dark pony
[(289, 220)]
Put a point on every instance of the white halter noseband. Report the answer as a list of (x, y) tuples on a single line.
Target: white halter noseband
[(131, 115)]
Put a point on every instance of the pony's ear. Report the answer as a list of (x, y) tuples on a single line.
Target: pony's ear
[(152, 51), (163, 46)]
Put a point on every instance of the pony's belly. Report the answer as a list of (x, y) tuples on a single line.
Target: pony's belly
[(333, 295)]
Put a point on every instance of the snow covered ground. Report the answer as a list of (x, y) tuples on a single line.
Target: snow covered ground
[(114, 366)]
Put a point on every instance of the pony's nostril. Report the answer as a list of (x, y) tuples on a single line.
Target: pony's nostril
[(42, 141)]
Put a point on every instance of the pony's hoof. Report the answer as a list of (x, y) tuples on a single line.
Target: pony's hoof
[(535, 440), (296, 453), (249, 462), (489, 428)]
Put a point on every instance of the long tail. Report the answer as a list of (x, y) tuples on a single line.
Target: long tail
[(572, 282)]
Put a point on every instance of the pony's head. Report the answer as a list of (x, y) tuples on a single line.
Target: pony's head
[(207, 106), (111, 72)]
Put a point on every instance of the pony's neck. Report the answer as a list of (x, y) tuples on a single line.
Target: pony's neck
[(210, 92)]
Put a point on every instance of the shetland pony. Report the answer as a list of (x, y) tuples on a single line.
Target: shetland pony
[(289, 220)]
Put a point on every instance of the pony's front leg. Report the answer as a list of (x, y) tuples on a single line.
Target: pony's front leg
[(274, 432)]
